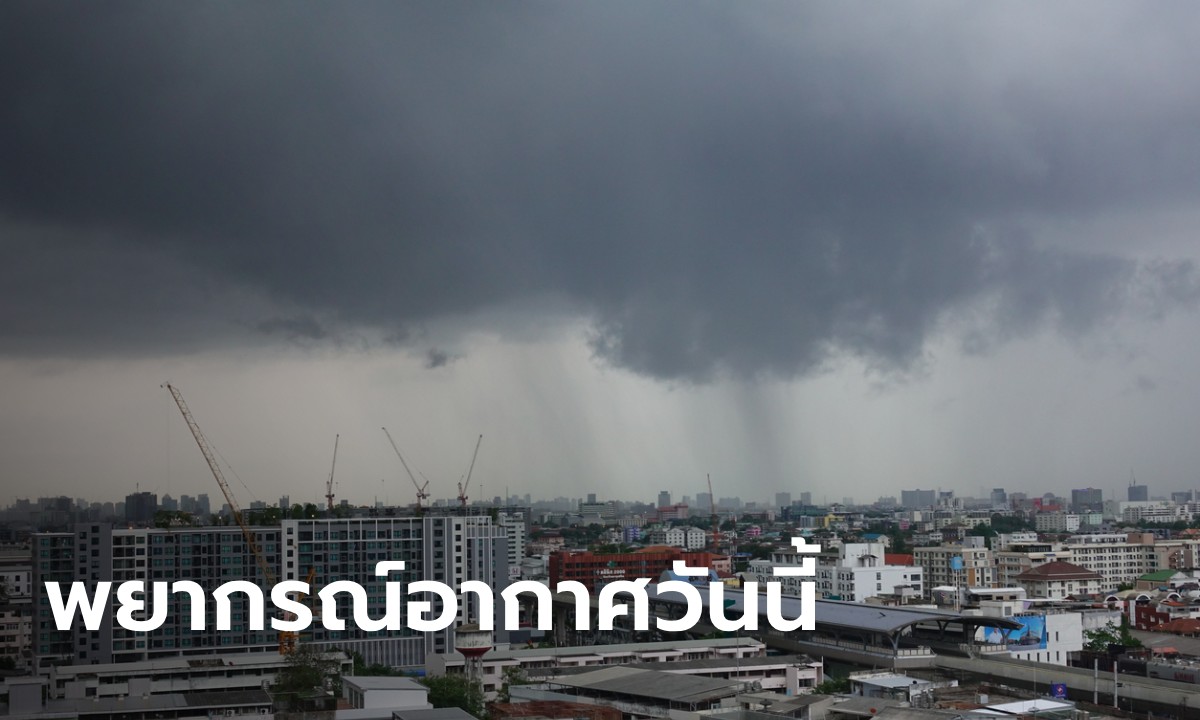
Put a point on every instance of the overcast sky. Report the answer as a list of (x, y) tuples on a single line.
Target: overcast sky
[(843, 248)]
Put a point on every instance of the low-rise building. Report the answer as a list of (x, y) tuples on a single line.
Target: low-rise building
[(385, 693), (858, 572), (214, 673), (636, 692), (1119, 557), (1059, 580), (956, 565), (539, 663)]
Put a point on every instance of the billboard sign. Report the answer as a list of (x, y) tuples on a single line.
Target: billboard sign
[(1031, 635)]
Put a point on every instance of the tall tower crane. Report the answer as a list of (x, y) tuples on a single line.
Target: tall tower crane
[(421, 493), (287, 640), (329, 482), (462, 486)]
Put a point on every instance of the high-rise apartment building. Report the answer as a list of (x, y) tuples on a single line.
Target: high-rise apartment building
[(917, 499), (956, 566), (140, 508), (446, 549), (1087, 500), (443, 548), (1138, 493), (664, 498)]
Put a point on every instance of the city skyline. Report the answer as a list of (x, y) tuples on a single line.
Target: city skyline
[(795, 248)]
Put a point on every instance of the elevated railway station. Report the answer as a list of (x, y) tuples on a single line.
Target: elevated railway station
[(875, 635)]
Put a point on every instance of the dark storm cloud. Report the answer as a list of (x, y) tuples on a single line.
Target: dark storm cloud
[(437, 358), (718, 187), (294, 328)]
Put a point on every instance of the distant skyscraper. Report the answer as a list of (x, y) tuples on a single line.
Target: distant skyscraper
[(1138, 493), (783, 499), (806, 498), (917, 499), (140, 508), (1087, 500), (591, 498), (999, 498), (664, 498)]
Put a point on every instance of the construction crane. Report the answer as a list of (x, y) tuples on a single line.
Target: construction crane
[(329, 482), (463, 485), (421, 493), (287, 640), (712, 504)]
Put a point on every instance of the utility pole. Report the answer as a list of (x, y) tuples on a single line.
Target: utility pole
[(1116, 684)]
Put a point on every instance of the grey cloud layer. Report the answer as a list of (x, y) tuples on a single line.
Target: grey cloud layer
[(717, 187)]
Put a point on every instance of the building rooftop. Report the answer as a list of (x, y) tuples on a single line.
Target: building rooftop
[(232, 660), (720, 663), (1160, 576), (652, 684), (369, 682), (861, 706), (452, 713), (890, 681), (621, 649), (1059, 570), (1026, 707), (860, 616)]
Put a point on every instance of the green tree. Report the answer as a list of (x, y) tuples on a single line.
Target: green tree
[(361, 668), (7, 663), (512, 676), (307, 669), (454, 691), (1008, 523), (1099, 639), (833, 686)]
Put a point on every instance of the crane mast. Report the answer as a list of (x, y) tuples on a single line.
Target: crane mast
[(329, 483), (421, 493), (462, 486), (287, 640)]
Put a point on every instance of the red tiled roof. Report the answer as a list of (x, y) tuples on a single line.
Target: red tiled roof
[(1184, 626), (897, 559), (1059, 570)]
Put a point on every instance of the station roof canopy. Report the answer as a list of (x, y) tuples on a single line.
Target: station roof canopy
[(858, 616)]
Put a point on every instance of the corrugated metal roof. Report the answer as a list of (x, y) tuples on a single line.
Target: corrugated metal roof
[(450, 713), (653, 684), (876, 618)]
